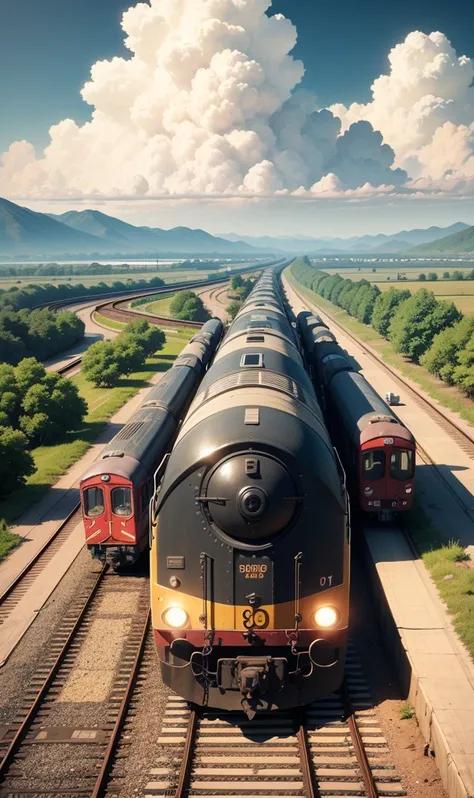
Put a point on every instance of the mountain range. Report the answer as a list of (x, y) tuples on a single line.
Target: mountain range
[(91, 233), (380, 244), (24, 232)]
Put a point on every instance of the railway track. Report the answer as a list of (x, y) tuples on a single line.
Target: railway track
[(37, 727), (334, 747), (17, 589)]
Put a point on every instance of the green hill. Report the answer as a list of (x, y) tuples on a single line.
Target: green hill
[(458, 244)]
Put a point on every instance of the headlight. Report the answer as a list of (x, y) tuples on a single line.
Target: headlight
[(325, 617), (368, 491), (408, 490), (175, 617)]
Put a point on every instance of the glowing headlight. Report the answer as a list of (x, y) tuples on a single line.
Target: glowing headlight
[(175, 617), (407, 490), (325, 617)]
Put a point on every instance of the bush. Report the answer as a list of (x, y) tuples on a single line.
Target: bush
[(418, 320), (442, 357), (188, 306), (16, 463), (233, 309), (107, 361), (385, 307)]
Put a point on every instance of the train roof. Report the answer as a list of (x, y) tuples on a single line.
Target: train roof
[(359, 406)]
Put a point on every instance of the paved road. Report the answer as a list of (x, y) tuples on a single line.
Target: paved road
[(441, 503)]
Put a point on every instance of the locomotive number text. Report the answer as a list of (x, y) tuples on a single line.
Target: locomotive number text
[(326, 581), (254, 571), (255, 618)]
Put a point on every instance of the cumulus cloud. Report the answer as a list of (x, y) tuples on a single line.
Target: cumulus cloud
[(424, 109), (207, 104)]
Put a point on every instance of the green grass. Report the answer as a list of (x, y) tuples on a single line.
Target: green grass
[(162, 306), (53, 461), (167, 275), (449, 566), (447, 395), (406, 712), (8, 542), (114, 325)]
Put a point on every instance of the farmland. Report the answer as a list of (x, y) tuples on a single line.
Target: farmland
[(461, 292)]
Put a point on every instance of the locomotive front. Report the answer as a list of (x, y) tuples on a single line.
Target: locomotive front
[(250, 557)]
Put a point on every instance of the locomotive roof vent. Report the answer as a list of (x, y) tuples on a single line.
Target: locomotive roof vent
[(250, 497), (387, 419), (129, 430)]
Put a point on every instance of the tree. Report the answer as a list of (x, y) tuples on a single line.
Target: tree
[(463, 374), (51, 408), (233, 309), (422, 277), (446, 275), (432, 276), (442, 356), (236, 282), (188, 306), (385, 307), (150, 337), (101, 366), (130, 353), (29, 372), (16, 463), (418, 320)]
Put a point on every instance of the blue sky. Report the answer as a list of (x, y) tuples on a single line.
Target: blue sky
[(344, 46), (47, 48)]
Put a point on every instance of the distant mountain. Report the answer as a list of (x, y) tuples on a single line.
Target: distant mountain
[(458, 244), (126, 237), (25, 231), (91, 233), (355, 245)]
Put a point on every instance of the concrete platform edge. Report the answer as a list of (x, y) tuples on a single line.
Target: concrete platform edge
[(412, 686)]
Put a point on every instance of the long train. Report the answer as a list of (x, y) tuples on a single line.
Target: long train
[(377, 450), (250, 555), (116, 489)]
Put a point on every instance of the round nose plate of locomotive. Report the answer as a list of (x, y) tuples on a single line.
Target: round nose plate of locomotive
[(251, 496)]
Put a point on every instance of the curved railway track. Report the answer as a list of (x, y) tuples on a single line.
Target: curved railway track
[(334, 747), (33, 726)]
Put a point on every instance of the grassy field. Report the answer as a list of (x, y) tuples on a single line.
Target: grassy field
[(439, 557), (461, 292), (161, 307), (103, 403)]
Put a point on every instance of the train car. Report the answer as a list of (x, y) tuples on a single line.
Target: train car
[(116, 489), (250, 527), (377, 449)]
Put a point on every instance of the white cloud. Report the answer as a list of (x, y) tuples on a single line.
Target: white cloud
[(205, 105), (424, 108), (208, 104)]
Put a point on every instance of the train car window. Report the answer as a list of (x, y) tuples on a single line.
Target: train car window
[(94, 502), (402, 464), (255, 360), (373, 465), (122, 501)]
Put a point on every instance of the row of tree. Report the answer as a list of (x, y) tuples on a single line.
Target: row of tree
[(107, 361), (36, 407), (33, 295), (455, 275), (429, 331), (188, 306), (39, 333), (71, 269)]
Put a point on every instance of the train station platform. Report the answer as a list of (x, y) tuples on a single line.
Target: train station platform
[(434, 669)]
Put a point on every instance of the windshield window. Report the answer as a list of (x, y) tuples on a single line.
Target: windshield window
[(402, 464), (93, 502), (122, 501), (373, 465)]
